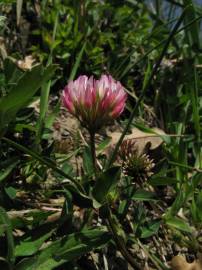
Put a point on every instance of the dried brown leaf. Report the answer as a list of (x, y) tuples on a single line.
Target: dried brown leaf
[(180, 263), (142, 138), (27, 63)]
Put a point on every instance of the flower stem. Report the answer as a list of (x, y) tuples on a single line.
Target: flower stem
[(92, 146)]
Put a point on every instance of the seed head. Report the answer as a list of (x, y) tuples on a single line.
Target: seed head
[(136, 164)]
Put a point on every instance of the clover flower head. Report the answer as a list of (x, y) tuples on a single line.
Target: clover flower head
[(94, 102), (135, 164)]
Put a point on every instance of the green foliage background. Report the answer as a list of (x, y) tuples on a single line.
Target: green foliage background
[(157, 56)]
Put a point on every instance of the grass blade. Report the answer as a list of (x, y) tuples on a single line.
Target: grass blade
[(77, 63), (5, 221), (147, 85), (49, 163), (19, 10)]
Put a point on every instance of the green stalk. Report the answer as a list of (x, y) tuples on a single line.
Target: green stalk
[(156, 261), (185, 166), (196, 118), (111, 224), (121, 245), (92, 147), (158, 5), (192, 34), (77, 62), (45, 91)]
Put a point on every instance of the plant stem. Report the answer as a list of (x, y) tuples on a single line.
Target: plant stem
[(112, 226), (121, 245), (92, 147)]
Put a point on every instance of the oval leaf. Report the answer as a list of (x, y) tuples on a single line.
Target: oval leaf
[(106, 183)]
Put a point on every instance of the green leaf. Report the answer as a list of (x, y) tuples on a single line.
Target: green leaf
[(5, 221), (103, 145), (196, 179), (4, 173), (193, 210), (150, 229), (199, 206), (178, 223), (68, 248), (11, 192), (147, 74), (11, 71), (50, 118), (21, 93), (87, 161), (30, 246), (26, 87), (143, 195), (106, 183), (79, 198), (162, 181), (178, 203)]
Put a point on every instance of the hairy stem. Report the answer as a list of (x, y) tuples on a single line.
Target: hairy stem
[(121, 245)]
